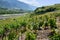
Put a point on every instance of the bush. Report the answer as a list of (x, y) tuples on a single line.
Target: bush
[(52, 23)]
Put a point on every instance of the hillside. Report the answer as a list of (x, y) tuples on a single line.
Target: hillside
[(15, 4), (45, 9), (34, 26)]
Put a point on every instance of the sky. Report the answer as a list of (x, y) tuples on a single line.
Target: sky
[(40, 3)]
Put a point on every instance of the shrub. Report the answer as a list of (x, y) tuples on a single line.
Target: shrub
[(52, 23), (55, 37), (30, 36)]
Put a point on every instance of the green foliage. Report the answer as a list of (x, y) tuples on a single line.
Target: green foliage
[(12, 35), (24, 22), (46, 24), (55, 37), (42, 10), (30, 36), (29, 22), (52, 23), (1, 31)]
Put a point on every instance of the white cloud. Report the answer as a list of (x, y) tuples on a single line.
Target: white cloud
[(31, 2)]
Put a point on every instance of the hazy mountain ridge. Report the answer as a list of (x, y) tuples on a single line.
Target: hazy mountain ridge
[(15, 4)]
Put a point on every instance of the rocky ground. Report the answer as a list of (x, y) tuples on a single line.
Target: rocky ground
[(43, 34)]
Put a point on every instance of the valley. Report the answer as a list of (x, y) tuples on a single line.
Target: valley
[(22, 21)]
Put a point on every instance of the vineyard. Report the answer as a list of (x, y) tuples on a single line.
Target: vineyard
[(30, 25)]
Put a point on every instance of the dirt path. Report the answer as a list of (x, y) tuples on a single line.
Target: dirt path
[(43, 34), (22, 37)]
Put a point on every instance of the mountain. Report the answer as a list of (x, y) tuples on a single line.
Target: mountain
[(15, 4)]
